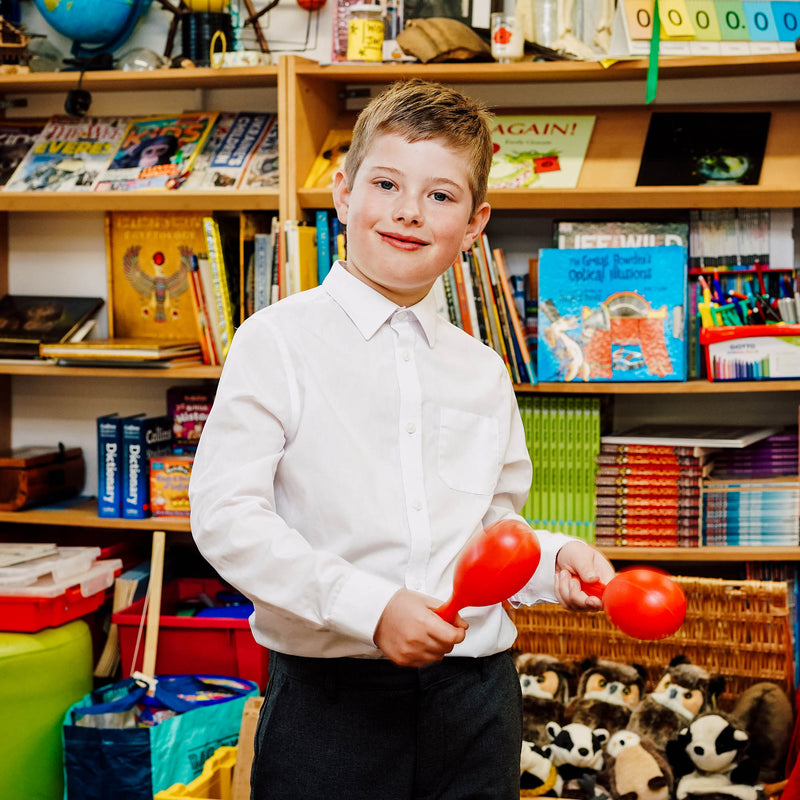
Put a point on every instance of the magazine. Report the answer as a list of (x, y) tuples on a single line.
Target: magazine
[(68, 155), (157, 152), (16, 138), (261, 171)]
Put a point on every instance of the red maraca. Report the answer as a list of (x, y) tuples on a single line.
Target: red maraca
[(644, 603), (494, 566)]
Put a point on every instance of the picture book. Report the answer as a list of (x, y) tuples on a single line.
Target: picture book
[(571, 234), (157, 152), (142, 438), (538, 151), (149, 257), (121, 350), (261, 170), (28, 321), (690, 148), (233, 140), (68, 155), (330, 157), (612, 314), (16, 138)]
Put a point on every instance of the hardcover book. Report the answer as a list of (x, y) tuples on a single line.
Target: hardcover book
[(28, 321), (68, 155), (539, 151), (157, 152), (16, 138), (612, 314), (571, 234), (142, 438), (109, 477)]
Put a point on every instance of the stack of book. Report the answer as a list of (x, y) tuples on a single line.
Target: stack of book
[(563, 435)]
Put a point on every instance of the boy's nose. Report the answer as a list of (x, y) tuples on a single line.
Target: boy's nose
[(407, 210)]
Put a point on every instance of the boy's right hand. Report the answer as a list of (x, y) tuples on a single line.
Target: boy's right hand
[(411, 634)]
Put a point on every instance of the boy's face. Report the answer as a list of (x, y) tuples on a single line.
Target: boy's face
[(407, 215)]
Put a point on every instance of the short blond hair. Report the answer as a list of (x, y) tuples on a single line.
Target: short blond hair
[(417, 110)]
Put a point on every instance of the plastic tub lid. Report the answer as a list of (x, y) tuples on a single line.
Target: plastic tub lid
[(68, 562)]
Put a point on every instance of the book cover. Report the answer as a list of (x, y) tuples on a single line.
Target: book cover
[(149, 261), (28, 321), (612, 314), (16, 139), (539, 151), (188, 407), (261, 170), (157, 152), (142, 438), (301, 256), (691, 148), (572, 234), (233, 140), (330, 158), (219, 282), (109, 476), (69, 155), (324, 261)]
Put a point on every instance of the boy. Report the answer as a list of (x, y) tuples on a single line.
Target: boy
[(356, 443)]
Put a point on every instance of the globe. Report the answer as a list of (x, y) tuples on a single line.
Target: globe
[(104, 23)]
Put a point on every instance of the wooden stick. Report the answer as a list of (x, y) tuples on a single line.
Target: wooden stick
[(154, 604)]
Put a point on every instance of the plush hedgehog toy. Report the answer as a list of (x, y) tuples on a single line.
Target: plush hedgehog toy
[(709, 762), (635, 769), (576, 751), (607, 694), (684, 691), (544, 683)]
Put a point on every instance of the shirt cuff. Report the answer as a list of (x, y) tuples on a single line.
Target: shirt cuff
[(358, 605), (541, 587)]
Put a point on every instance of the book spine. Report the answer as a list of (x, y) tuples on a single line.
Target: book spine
[(461, 293), (201, 313), (263, 268), (109, 480), (220, 280), (323, 245), (142, 438), (516, 323)]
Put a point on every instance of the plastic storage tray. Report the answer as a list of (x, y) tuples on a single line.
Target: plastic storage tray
[(66, 563)]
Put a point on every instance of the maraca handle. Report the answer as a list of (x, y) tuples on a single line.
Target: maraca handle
[(594, 589), (448, 611)]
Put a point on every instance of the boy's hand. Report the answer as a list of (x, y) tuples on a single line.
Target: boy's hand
[(575, 560), (411, 634)]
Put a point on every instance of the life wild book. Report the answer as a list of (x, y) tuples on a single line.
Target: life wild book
[(538, 151), (704, 147)]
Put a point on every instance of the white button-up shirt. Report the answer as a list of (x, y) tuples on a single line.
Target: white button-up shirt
[(353, 449)]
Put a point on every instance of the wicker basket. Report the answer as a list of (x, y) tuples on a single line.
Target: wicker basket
[(739, 629)]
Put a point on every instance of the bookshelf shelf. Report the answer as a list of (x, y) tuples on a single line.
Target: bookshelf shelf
[(692, 387), (42, 370), (702, 554)]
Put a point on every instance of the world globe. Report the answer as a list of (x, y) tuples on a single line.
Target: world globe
[(105, 24)]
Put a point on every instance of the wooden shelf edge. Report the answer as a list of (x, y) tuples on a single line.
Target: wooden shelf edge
[(696, 386), (34, 369), (731, 553)]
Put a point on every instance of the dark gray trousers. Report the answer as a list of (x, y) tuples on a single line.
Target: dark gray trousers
[(354, 729)]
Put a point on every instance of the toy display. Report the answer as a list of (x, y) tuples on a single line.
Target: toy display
[(544, 684)]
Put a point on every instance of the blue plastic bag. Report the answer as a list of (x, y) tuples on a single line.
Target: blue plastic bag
[(109, 755)]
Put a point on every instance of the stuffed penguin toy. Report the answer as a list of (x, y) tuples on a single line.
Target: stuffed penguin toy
[(607, 694), (709, 762), (545, 690), (684, 691), (635, 769)]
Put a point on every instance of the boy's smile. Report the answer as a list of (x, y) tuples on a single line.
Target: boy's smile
[(407, 215)]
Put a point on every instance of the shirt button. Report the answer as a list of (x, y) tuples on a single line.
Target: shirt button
[(410, 427), (406, 356), (416, 505), (401, 315)]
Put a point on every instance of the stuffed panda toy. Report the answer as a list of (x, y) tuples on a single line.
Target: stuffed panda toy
[(709, 762), (607, 694), (544, 681), (538, 776), (684, 691), (576, 751)]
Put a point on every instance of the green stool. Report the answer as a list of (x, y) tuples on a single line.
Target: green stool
[(41, 675)]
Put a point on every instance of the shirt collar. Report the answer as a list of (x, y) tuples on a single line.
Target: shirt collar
[(369, 309)]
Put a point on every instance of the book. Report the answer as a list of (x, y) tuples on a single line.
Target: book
[(527, 370), (691, 435), (188, 407), (68, 155), (612, 314), (231, 144), (262, 169), (301, 256), (142, 438), (205, 334), (538, 151), (16, 139), (571, 234), (221, 298), (252, 224), (156, 152), (324, 260), (149, 257), (329, 159), (29, 321), (109, 475), (691, 148), (121, 349)]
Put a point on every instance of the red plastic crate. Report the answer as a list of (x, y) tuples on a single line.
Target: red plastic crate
[(205, 645)]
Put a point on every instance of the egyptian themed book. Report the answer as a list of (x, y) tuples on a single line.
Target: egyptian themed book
[(612, 314), (538, 151)]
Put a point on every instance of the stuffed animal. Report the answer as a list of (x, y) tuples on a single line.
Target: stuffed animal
[(765, 712), (538, 776), (709, 763), (607, 694), (635, 769), (576, 750), (684, 691), (544, 683)]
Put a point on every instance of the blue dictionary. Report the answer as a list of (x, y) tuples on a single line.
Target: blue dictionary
[(109, 480), (612, 314), (142, 439)]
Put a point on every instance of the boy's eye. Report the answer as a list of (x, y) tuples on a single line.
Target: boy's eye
[(385, 184), (440, 197)]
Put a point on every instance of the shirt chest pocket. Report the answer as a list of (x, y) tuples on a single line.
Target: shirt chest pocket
[(469, 451)]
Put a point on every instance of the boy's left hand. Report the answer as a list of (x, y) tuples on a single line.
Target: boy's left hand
[(576, 560)]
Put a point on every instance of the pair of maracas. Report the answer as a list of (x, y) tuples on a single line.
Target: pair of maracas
[(496, 564)]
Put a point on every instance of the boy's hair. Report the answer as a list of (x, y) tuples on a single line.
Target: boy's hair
[(416, 110)]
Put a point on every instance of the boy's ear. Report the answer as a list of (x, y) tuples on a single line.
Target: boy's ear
[(476, 225), (341, 195)]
